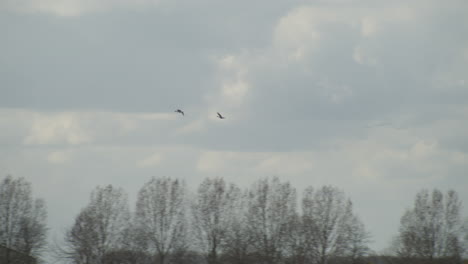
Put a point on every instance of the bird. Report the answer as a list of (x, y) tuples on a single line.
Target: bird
[(220, 116), (180, 111)]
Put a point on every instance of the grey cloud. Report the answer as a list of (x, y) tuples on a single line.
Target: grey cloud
[(165, 60), (128, 61), (409, 55), (90, 64), (406, 74)]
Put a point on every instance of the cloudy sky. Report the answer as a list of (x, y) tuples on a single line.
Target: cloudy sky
[(369, 96)]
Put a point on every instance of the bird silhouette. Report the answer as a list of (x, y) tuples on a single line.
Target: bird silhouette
[(220, 116), (180, 111)]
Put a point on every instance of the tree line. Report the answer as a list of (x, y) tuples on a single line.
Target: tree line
[(219, 222), (22, 221)]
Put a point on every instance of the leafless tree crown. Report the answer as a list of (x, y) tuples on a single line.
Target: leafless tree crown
[(22, 218)]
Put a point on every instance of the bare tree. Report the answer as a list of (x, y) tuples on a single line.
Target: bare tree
[(297, 245), (432, 231), (161, 212), (271, 207), (357, 240), (332, 230), (213, 211), (22, 219), (237, 246), (99, 228), (465, 239), (134, 246)]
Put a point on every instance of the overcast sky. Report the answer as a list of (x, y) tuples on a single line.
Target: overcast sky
[(369, 96)]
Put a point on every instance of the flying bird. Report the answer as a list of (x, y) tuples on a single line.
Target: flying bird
[(179, 111), (220, 116)]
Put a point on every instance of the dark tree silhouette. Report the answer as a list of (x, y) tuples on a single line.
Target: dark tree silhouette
[(22, 219), (98, 229), (161, 214), (432, 231)]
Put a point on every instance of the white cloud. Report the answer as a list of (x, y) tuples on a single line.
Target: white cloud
[(71, 8), (193, 126), (369, 26), (150, 161), (58, 157), (61, 128), (82, 127), (362, 56), (228, 62), (263, 163), (132, 121), (459, 157), (386, 156), (339, 96), (235, 92), (232, 76), (221, 161), (287, 163), (230, 93), (296, 35), (423, 150), (210, 161)]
